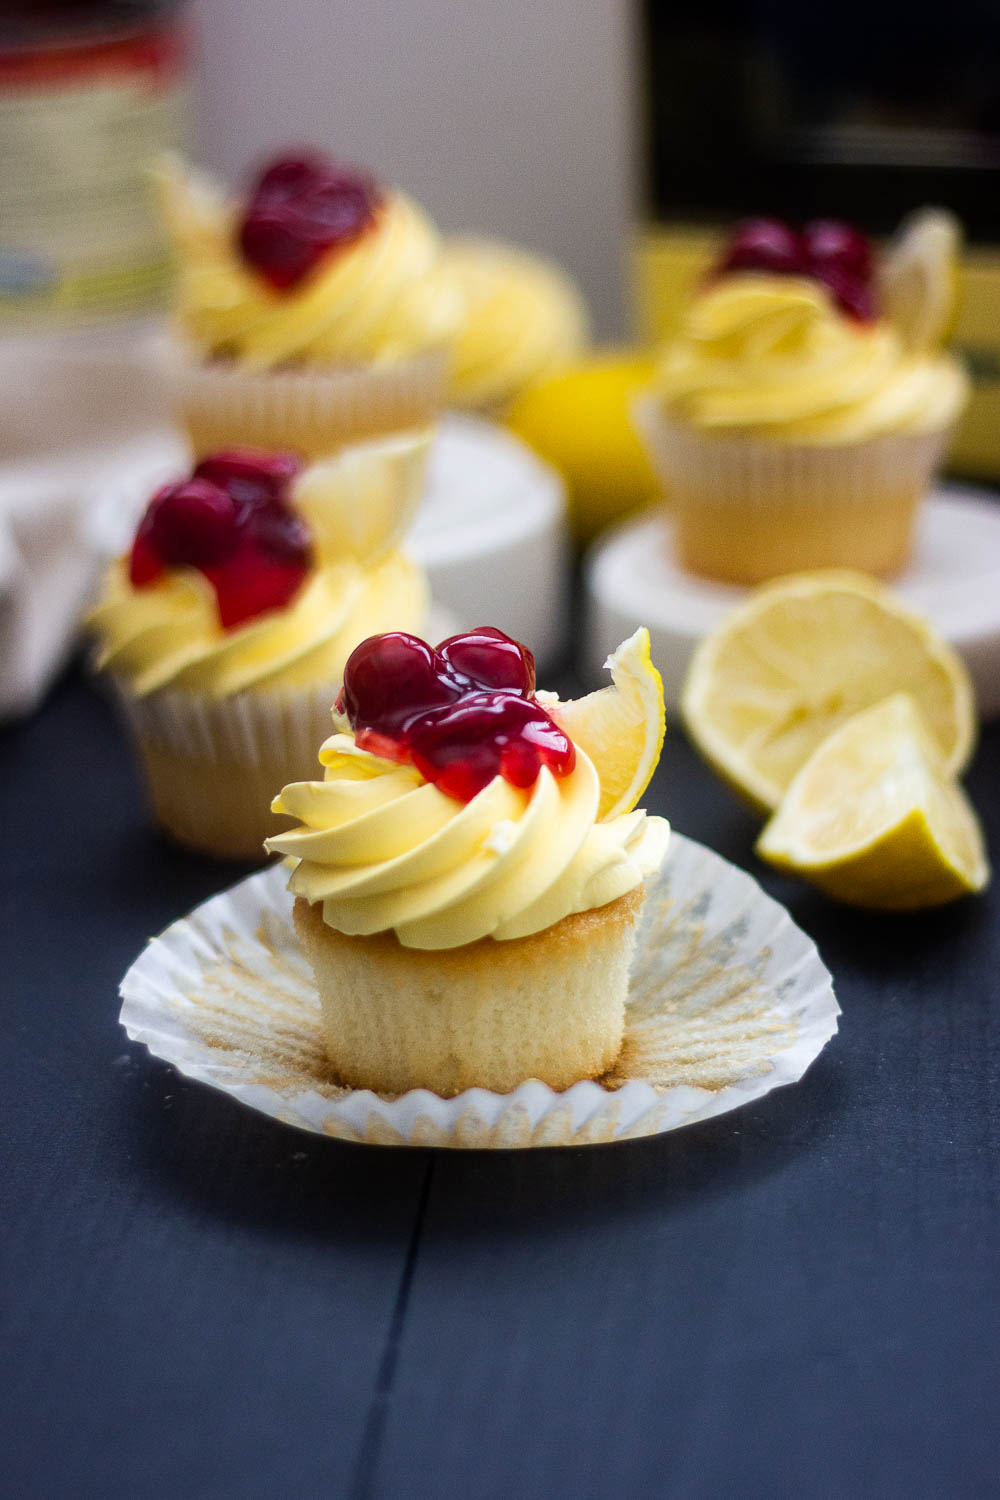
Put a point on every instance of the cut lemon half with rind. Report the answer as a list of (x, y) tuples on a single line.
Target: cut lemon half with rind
[(874, 819), (918, 279), (801, 656), (621, 727)]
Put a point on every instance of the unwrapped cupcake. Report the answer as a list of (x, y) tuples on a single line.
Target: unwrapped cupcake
[(469, 873), (226, 627), (806, 404), (311, 313), (523, 319)]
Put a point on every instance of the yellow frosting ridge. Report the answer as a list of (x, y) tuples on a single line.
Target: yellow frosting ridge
[(383, 297), (523, 319), (775, 356), (167, 634), (384, 850)]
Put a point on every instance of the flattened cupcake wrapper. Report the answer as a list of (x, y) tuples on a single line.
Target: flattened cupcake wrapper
[(728, 1000), (747, 508), (311, 411)]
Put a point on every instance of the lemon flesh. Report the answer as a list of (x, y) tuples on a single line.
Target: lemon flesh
[(620, 728), (918, 279), (801, 656), (874, 819)]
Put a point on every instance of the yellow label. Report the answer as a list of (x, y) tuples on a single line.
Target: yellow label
[(79, 234)]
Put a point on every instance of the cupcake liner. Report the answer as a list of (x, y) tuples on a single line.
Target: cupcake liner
[(213, 766), (310, 411), (728, 1000), (746, 509)]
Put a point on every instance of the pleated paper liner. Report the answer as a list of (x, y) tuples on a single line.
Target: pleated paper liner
[(729, 999), (746, 509)]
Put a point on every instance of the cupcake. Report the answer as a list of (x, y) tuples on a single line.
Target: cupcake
[(468, 908), (523, 319), (802, 411), (226, 627), (310, 314)]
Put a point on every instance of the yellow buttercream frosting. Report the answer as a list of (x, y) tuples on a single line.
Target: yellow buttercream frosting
[(167, 634), (774, 356), (382, 297), (523, 319), (383, 850)]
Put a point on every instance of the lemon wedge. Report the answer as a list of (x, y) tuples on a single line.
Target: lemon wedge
[(798, 658), (360, 501), (621, 727), (192, 208), (918, 279), (874, 819)]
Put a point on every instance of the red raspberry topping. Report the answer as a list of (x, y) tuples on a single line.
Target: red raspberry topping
[(828, 250), (463, 713), (302, 208), (231, 520)]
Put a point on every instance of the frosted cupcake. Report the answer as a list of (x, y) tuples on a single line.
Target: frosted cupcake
[(313, 313), (226, 628), (523, 319), (468, 907), (796, 420)]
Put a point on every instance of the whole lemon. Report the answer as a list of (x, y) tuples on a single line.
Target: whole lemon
[(580, 422)]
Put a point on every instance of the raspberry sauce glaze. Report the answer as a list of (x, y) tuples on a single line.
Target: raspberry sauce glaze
[(233, 521), (462, 713), (303, 207), (827, 250)]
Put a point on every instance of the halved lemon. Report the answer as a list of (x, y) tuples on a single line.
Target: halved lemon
[(798, 658), (918, 278), (874, 819), (620, 727)]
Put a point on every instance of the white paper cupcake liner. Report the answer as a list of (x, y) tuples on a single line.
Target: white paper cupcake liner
[(241, 729), (746, 508), (729, 999), (311, 411), (213, 766)]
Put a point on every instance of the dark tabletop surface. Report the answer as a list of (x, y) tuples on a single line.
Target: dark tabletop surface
[(796, 1299)]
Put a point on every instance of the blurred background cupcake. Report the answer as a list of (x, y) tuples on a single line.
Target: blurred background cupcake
[(523, 319), (226, 627), (314, 311), (800, 414)]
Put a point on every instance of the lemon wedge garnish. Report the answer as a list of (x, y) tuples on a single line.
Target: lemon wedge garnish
[(621, 727), (798, 658), (874, 819), (192, 208), (918, 278), (360, 501)]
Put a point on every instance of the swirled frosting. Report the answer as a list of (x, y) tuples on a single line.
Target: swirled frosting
[(772, 355), (167, 634), (384, 850), (382, 297), (523, 318)]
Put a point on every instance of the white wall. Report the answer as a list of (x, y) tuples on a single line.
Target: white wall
[(514, 117)]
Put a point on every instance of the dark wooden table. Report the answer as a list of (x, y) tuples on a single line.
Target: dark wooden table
[(796, 1300)]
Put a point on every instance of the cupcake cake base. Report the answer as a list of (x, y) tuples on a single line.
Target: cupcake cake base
[(549, 1006)]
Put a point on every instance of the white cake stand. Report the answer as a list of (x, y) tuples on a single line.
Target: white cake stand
[(491, 530), (631, 579)]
